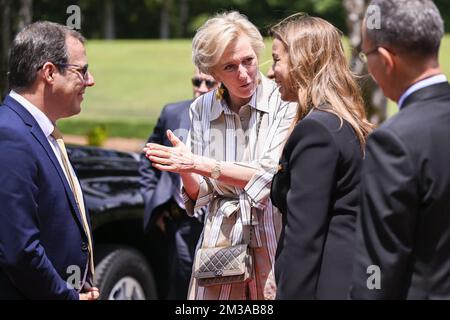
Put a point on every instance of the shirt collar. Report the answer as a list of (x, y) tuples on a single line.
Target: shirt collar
[(43, 121), (420, 85), (258, 100)]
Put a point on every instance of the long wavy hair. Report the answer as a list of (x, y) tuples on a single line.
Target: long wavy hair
[(319, 71)]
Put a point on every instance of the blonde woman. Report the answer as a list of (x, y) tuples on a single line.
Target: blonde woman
[(237, 133), (316, 187)]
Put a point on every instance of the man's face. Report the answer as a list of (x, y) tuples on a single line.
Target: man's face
[(71, 83), (202, 83)]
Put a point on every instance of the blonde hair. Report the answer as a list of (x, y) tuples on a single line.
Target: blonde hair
[(319, 71), (216, 34)]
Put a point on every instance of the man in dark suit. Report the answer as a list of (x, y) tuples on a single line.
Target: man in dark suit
[(45, 239), (164, 206), (403, 233)]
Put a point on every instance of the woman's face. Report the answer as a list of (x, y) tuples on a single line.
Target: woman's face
[(281, 71), (238, 70)]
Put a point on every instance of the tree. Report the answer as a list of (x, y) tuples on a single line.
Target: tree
[(25, 13), (164, 27), (13, 18), (374, 98), (109, 21), (184, 17)]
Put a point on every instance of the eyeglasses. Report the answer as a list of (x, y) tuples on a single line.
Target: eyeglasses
[(363, 55), (83, 70), (197, 82)]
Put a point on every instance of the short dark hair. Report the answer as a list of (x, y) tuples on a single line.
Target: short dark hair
[(410, 26), (36, 44)]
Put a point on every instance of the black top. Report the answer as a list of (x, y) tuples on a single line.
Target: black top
[(316, 189)]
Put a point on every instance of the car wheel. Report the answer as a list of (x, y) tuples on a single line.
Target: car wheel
[(124, 274)]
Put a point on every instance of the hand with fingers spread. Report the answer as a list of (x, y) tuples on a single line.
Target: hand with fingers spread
[(177, 159)]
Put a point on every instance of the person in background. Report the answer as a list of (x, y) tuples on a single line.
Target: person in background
[(317, 184), (237, 132), (161, 190), (46, 247), (403, 232)]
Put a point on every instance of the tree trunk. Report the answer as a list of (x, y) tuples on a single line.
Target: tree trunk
[(375, 101), (5, 39), (164, 27), (184, 16), (25, 14), (109, 22)]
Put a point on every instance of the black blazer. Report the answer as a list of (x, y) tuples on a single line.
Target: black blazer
[(405, 203), (316, 190), (158, 187)]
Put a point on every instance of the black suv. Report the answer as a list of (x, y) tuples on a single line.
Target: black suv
[(129, 264)]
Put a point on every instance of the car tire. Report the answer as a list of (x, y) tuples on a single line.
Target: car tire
[(123, 274)]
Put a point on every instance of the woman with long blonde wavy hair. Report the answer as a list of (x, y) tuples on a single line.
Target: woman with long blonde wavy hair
[(316, 188)]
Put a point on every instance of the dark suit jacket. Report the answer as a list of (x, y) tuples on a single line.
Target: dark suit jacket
[(159, 187), (405, 202), (317, 193), (41, 231)]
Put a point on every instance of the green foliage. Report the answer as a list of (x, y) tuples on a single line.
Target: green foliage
[(141, 18), (197, 22), (97, 136), (327, 6)]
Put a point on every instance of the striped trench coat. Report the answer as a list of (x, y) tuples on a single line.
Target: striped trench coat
[(253, 137)]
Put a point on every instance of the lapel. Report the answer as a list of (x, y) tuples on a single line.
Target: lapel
[(37, 133), (185, 121), (184, 125)]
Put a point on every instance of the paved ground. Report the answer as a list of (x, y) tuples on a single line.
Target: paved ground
[(121, 144)]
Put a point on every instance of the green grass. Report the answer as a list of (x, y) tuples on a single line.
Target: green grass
[(134, 79)]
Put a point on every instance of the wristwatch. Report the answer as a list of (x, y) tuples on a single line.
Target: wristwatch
[(215, 173)]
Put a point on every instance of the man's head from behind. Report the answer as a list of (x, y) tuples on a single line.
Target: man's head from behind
[(401, 36), (48, 65)]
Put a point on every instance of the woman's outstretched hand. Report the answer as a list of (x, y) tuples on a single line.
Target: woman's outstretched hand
[(177, 159)]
